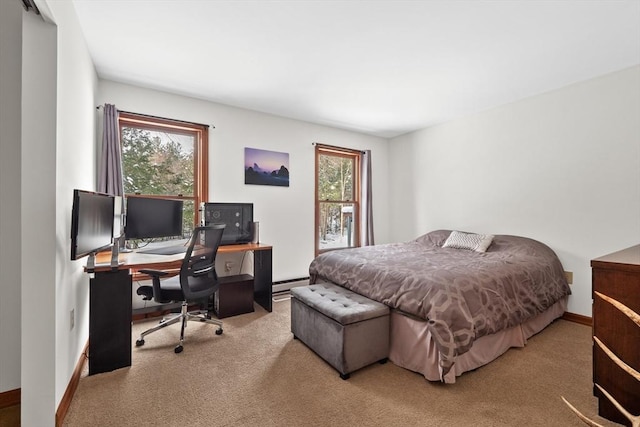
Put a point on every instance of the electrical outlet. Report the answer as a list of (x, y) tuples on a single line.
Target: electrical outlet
[(72, 318), (227, 266), (569, 276)]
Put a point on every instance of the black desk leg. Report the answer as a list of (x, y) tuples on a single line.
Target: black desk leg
[(262, 278), (109, 321)]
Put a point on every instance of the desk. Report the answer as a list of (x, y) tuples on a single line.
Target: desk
[(110, 299)]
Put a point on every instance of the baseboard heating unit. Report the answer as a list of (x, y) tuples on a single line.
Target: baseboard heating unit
[(281, 288)]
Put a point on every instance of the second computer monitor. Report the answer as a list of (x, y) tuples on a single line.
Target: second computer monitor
[(148, 217), (238, 218)]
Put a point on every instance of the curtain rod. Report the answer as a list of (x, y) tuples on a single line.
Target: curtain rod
[(161, 118), (335, 147)]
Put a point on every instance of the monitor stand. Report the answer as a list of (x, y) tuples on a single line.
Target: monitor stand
[(91, 262), (114, 255), (122, 244)]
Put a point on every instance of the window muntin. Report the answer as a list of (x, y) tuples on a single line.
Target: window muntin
[(337, 198), (165, 159)]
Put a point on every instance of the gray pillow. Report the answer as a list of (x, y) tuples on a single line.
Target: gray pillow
[(472, 241)]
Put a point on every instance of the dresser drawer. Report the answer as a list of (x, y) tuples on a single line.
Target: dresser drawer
[(616, 280)]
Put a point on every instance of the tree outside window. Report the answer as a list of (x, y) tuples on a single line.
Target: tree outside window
[(165, 159), (337, 198)]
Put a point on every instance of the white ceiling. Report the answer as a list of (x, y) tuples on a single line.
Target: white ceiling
[(378, 67)]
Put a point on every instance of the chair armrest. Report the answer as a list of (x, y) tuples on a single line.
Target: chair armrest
[(157, 273)]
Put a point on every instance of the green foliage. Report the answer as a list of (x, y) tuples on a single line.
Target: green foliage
[(155, 166), (153, 163), (335, 178)]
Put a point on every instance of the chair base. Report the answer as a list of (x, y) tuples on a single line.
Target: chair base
[(183, 317)]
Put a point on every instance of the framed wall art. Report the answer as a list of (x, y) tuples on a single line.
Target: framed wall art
[(263, 167)]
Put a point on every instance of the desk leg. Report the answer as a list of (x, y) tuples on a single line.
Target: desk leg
[(262, 278), (109, 321)]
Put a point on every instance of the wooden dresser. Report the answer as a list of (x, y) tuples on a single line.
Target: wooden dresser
[(616, 277)]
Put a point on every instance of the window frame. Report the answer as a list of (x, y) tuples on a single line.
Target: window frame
[(356, 156), (200, 133)]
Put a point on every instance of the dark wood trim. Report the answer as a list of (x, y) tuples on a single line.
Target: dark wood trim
[(65, 403), (577, 318), (171, 122), (9, 398), (336, 149)]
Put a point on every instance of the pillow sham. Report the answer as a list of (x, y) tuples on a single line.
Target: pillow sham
[(471, 241)]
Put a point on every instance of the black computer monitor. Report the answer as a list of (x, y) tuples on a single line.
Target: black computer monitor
[(149, 217), (92, 218)]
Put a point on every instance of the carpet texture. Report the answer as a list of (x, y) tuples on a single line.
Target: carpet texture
[(256, 374)]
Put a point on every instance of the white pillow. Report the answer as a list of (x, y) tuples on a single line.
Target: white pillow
[(474, 242)]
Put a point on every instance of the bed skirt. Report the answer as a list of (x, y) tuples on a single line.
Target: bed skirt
[(412, 346)]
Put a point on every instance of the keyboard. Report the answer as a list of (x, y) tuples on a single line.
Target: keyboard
[(165, 250)]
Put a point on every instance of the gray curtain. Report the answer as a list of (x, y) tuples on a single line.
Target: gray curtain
[(110, 165), (367, 200)]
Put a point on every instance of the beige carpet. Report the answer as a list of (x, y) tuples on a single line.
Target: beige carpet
[(256, 374)]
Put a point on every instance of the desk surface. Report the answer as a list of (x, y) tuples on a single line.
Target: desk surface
[(136, 261)]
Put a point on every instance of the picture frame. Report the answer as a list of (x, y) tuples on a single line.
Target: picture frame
[(264, 167)]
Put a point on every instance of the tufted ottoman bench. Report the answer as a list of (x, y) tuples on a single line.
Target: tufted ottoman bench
[(346, 329)]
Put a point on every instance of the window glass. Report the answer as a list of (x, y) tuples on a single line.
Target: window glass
[(337, 201), (157, 162)]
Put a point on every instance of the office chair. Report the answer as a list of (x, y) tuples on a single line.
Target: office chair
[(196, 282)]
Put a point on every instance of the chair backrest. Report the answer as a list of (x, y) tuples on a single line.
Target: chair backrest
[(198, 278)]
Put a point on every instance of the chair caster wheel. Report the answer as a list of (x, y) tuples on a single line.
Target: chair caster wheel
[(139, 343), (178, 349), (219, 331)]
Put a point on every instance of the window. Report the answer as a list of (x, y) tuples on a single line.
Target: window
[(166, 159), (337, 198)]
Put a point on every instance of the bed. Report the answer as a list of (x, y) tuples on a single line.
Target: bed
[(455, 306)]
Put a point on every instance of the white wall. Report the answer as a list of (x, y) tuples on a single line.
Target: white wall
[(75, 159), (38, 207), (10, 243), (562, 168), (286, 214)]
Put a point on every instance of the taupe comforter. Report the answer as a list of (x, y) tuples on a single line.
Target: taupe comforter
[(463, 294)]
